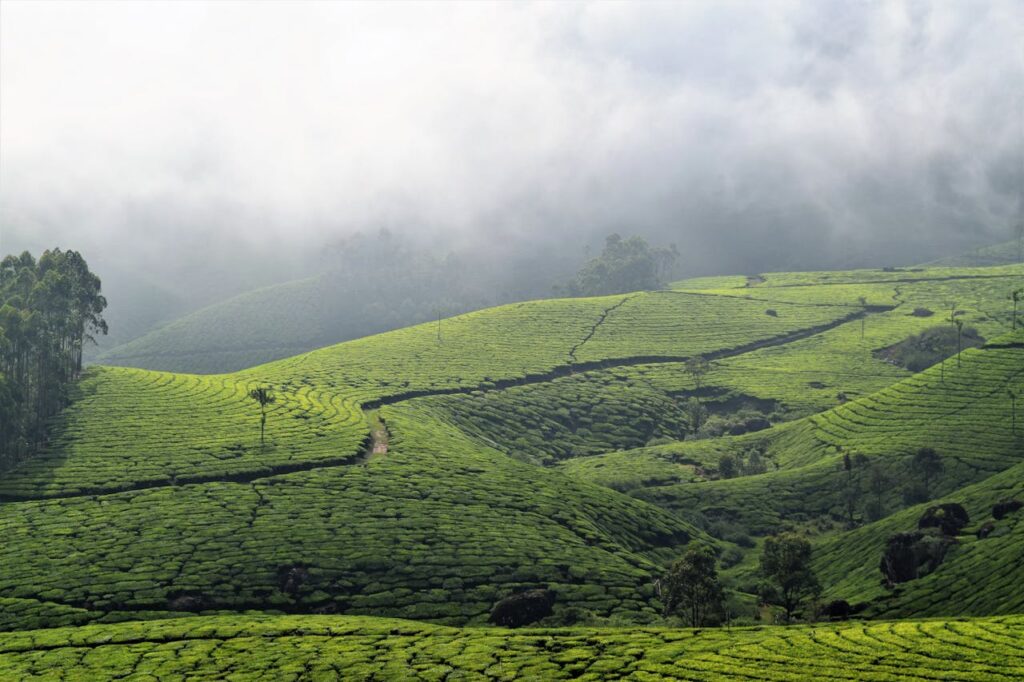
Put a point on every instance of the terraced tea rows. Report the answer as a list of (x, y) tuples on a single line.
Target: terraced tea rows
[(322, 647), (440, 528), (977, 575), (569, 417), (135, 428), (966, 417), (670, 324), (201, 518)]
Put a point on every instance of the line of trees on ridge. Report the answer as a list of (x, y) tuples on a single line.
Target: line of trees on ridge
[(49, 309)]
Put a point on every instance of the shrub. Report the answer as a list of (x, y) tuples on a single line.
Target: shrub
[(1004, 507), (523, 608), (909, 556), (838, 609), (915, 493), (949, 518)]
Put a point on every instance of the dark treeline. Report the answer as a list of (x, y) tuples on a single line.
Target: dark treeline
[(624, 265), (49, 309)]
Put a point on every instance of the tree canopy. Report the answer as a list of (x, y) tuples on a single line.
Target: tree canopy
[(49, 309), (624, 265), (786, 566), (691, 587)]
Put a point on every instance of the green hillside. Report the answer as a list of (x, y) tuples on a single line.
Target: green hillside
[(997, 254), (324, 647), (429, 472), (248, 329)]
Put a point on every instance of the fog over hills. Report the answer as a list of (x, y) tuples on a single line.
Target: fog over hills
[(224, 145)]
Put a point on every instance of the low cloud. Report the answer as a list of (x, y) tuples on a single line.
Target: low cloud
[(756, 136)]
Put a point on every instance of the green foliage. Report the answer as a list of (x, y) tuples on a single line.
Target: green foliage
[(925, 465), (326, 647), (933, 345), (155, 499), (49, 309), (786, 566), (691, 588), (624, 265), (263, 396)]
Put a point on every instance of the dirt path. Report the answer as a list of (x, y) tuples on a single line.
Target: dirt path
[(380, 442), (378, 446)]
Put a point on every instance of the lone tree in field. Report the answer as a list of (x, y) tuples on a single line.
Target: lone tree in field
[(926, 464), (952, 320), (864, 302), (959, 336), (697, 367), (691, 588), (851, 494), (789, 580), (1013, 409), (1015, 296), (264, 396)]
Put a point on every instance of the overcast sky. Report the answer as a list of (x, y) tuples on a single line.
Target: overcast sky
[(776, 133)]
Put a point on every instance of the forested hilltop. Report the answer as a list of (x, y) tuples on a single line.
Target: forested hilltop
[(50, 309)]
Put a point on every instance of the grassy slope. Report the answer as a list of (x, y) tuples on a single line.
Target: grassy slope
[(977, 576), (966, 416), (248, 329), (443, 524), (997, 254), (322, 647), (438, 528)]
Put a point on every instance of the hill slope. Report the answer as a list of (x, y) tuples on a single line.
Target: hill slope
[(157, 499), (319, 647)]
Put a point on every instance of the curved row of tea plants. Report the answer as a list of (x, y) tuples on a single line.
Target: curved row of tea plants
[(440, 528), (133, 428), (324, 647)]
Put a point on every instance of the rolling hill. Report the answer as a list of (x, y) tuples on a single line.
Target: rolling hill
[(320, 647), (428, 472)]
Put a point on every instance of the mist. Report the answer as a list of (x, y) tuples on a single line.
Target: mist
[(202, 149)]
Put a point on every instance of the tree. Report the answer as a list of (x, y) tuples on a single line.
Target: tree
[(264, 396), (864, 302), (726, 466), (878, 483), (696, 414), (925, 464), (691, 587), (1013, 409), (786, 567), (698, 367), (624, 265), (852, 489), (952, 320), (959, 339), (49, 309), (1015, 296)]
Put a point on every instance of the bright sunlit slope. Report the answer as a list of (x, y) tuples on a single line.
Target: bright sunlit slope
[(325, 647), (156, 496)]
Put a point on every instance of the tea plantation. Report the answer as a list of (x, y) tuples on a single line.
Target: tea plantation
[(560, 444), (329, 648)]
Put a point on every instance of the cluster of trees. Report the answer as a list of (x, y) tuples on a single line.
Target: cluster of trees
[(691, 588), (865, 483), (49, 309), (932, 346), (624, 265)]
